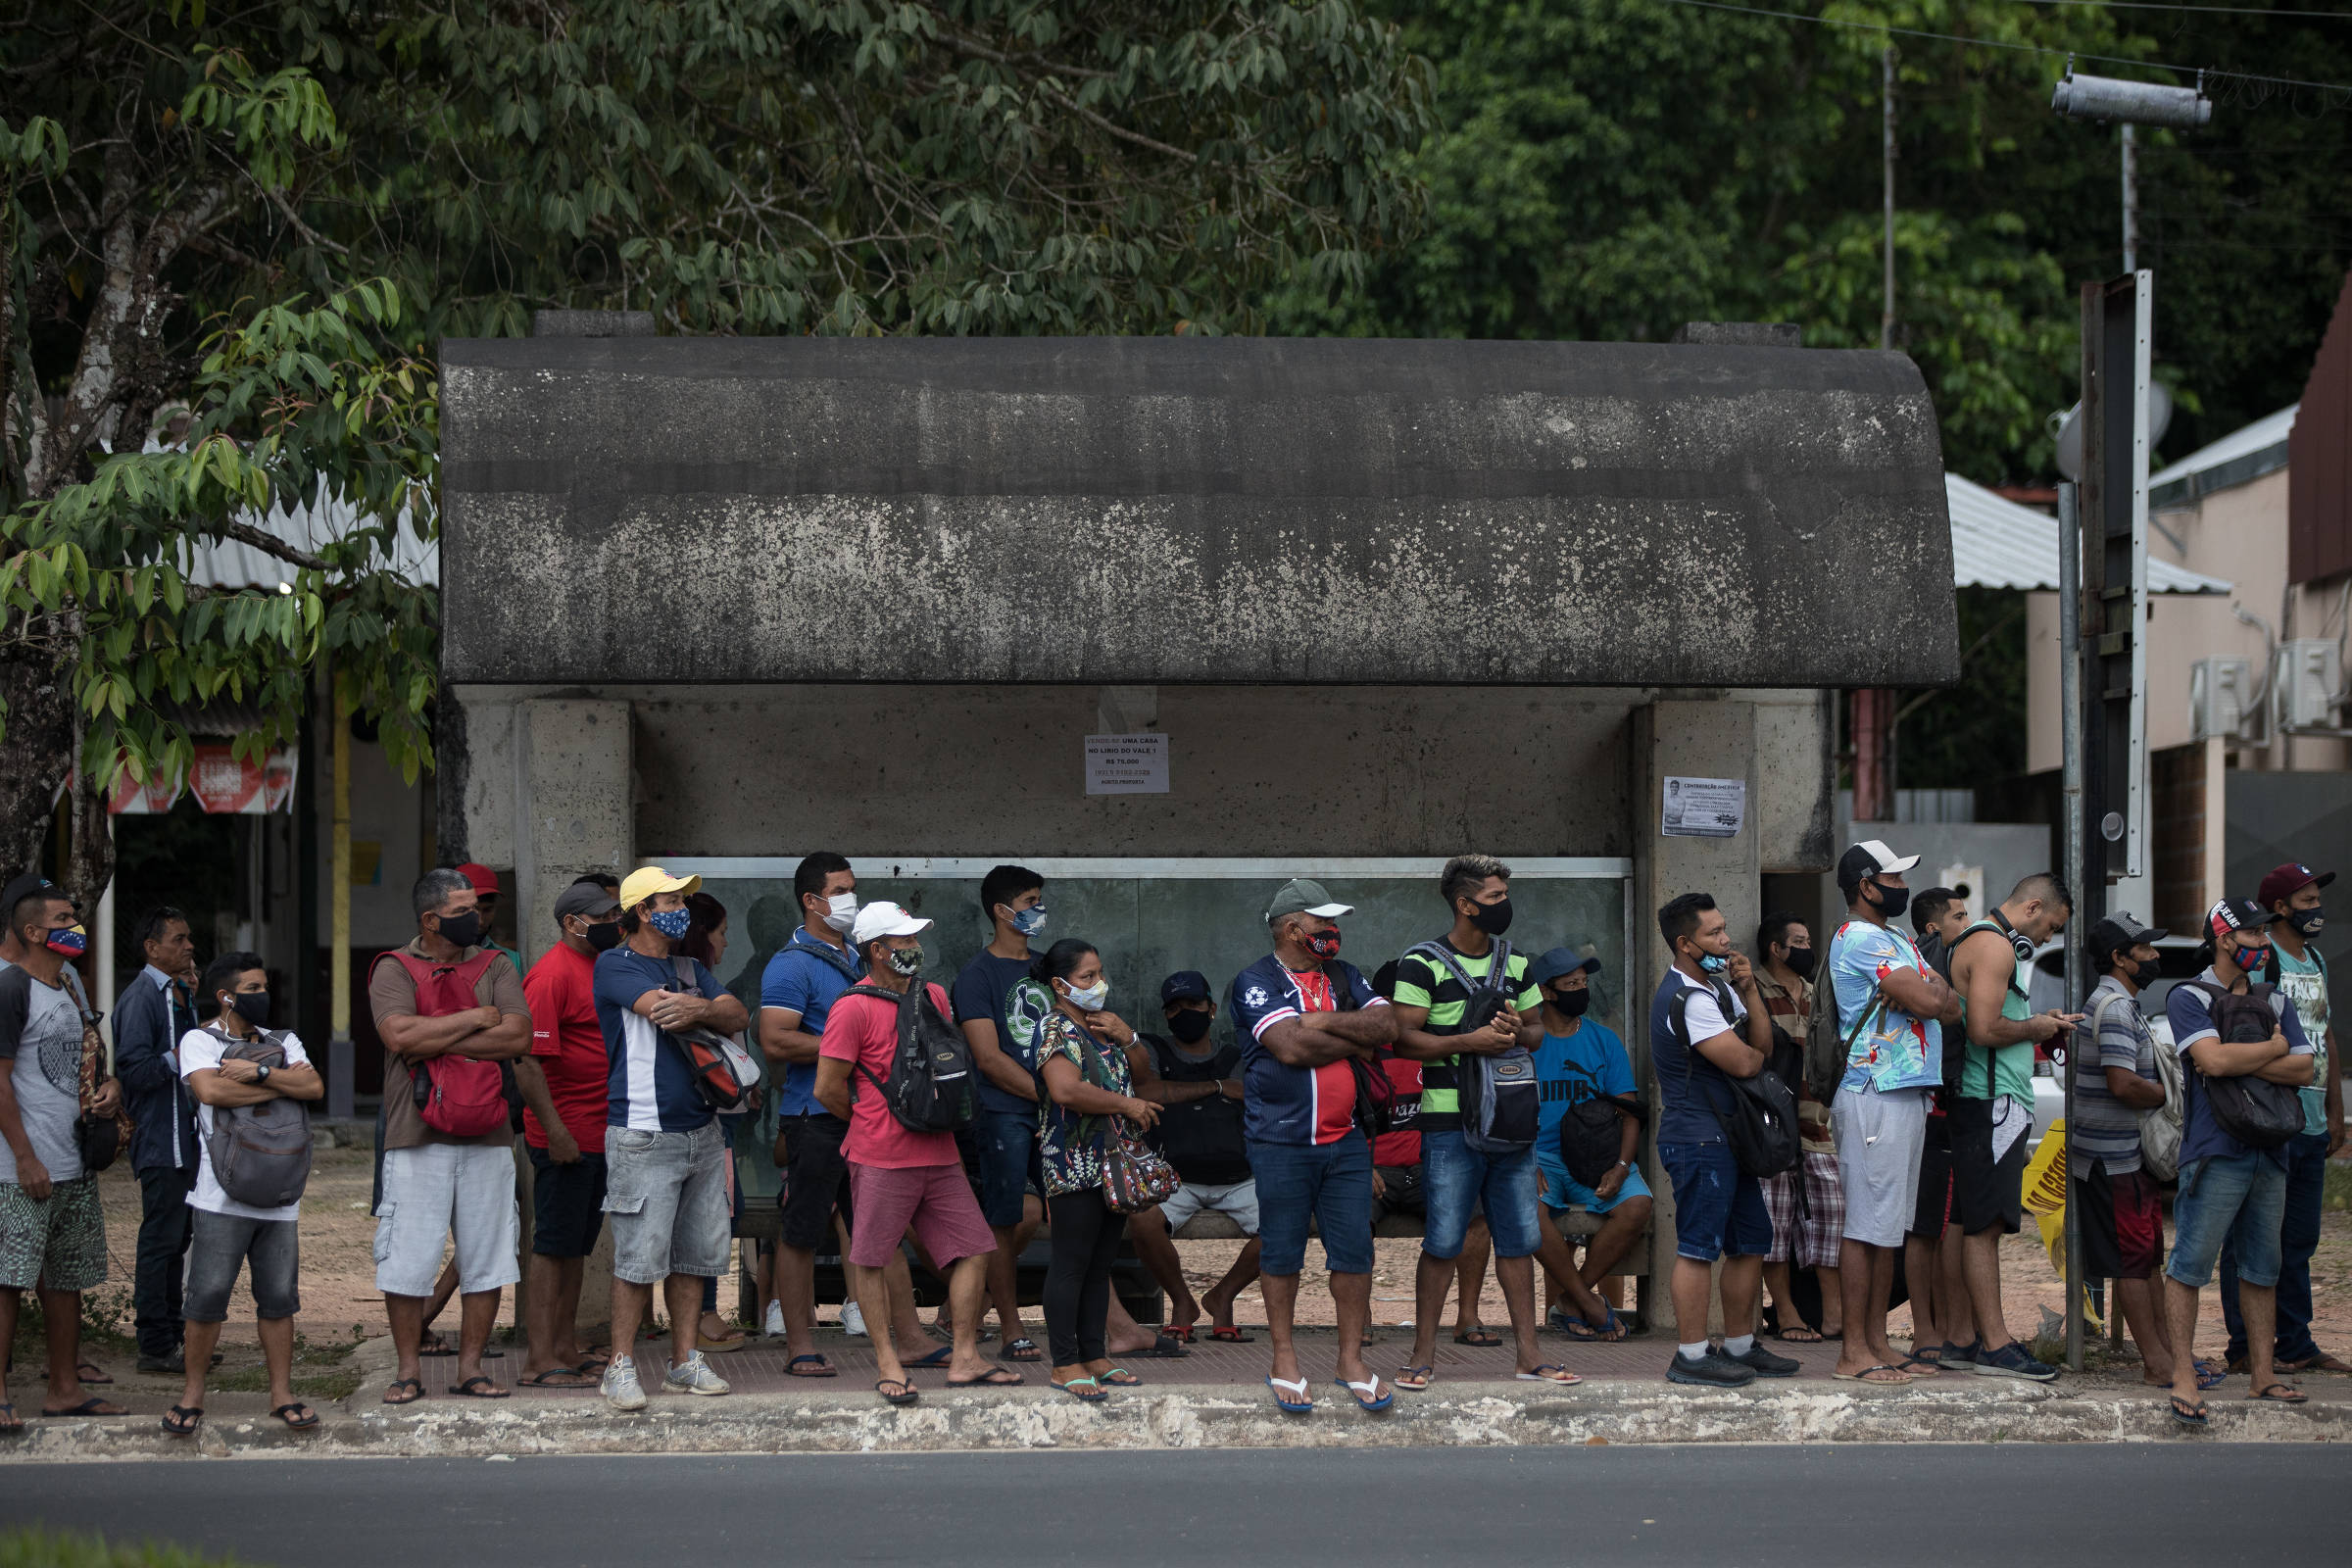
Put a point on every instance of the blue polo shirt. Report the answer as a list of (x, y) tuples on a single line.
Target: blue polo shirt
[(1285, 1105), (807, 976), (2191, 1018)]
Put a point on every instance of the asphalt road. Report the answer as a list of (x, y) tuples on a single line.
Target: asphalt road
[(1809, 1507)]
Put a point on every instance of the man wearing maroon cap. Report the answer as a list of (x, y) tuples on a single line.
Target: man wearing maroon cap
[(2290, 897), (486, 895)]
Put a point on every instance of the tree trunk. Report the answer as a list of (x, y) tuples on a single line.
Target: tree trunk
[(36, 754)]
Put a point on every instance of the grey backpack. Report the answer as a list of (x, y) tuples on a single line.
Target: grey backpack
[(261, 1154), (1502, 1098)]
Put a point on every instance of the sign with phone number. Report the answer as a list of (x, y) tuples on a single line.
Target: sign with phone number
[(1703, 808)]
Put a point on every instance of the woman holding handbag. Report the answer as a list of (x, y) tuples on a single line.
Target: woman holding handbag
[(1087, 1122)]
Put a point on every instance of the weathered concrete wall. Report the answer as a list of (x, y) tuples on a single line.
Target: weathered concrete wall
[(998, 771), (572, 807), (1114, 511), (1795, 780)]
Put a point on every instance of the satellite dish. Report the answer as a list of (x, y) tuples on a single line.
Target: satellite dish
[(2069, 430)]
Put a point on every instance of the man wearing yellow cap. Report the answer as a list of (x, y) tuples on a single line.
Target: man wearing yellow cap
[(665, 1155)]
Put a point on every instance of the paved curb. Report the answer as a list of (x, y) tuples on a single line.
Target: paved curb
[(853, 1421)]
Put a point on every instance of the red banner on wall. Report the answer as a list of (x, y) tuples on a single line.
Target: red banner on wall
[(222, 783)]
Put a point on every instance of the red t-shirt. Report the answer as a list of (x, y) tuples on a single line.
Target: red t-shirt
[(1335, 1081), (569, 1047), (1401, 1144), (863, 1031)]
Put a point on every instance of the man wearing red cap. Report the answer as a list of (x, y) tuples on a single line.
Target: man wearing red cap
[(2290, 896), (486, 896)]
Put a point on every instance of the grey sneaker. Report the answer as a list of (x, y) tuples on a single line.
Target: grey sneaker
[(621, 1387), (2012, 1361), (1765, 1363), (1713, 1370), (694, 1376)]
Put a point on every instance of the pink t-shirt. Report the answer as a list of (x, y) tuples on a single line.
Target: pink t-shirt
[(863, 1031)]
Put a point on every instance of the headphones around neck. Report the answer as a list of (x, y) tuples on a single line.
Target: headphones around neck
[(2021, 944)]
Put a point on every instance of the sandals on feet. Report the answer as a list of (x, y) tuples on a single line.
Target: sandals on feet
[(1369, 1396), (1180, 1333), (182, 1420), (823, 1367), (939, 1357), (1227, 1334), (1797, 1334), (996, 1376), (1478, 1337), (1290, 1394), (1870, 1374), (10, 1425), (2210, 1375), (907, 1393), (298, 1416), (97, 1406), (547, 1378), (1023, 1350), (1085, 1388), (2191, 1414), (415, 1386), (2267, 1393), (1413, 1379), (478, 1387), (1551, 1372)]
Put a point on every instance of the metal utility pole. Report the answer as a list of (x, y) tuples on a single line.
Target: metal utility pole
[(2131, 199), (1887, 244), (2070, 709)]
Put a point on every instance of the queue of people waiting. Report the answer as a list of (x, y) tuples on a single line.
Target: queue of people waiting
[(1472, 1091)]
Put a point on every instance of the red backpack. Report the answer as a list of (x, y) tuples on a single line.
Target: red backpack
[(460, 1095)]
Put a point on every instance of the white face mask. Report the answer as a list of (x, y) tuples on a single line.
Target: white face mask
[(1091, 998), (841, 911)]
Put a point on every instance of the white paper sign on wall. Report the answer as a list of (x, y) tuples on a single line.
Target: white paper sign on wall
[(1127, 764), (1704, 807)]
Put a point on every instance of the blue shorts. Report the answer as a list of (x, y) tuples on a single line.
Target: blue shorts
[(2240, 1196), (1563, 1192), (999, 1151), (1717, 1208), (1456, 1180), (1330, 1182)]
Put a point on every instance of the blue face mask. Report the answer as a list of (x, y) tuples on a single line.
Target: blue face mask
[(1713, 963), (1030, 921), (671, 923)]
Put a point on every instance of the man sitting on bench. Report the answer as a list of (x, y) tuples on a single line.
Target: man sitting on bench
[(1582, 1058), (1198, 1083)]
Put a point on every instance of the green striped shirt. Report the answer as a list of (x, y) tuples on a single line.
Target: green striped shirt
[(1424, 983)]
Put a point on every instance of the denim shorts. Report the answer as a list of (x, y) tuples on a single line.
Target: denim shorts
[(1717, 1208), (668, 1195), (2238, 1196), (1331, 1183), (221, 1245), (1001, 1156), (1563, 1192), (1458, 1180)]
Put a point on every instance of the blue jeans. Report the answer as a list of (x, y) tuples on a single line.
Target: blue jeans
[(1458, 1180), (1002, 1149), (1717, 1208), (2235, 1200), (2298, 1239), (1331, 1183)]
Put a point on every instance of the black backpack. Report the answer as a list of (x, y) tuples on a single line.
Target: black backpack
[(2250, 1108), (1592, 1132), (1761, 1123), (1200, 1138), (933, 1087)]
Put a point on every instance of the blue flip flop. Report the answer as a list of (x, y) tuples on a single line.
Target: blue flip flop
[(2210, 1375), (939, 1357), (1358, 1392), (1299, 1404)]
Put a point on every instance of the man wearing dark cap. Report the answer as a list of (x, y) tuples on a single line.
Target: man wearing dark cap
[(2229, 1192), (1306, 1017), (2115, 1080), (1197, 1081), (2290, 896), (1582, 1058), (565, 1084)]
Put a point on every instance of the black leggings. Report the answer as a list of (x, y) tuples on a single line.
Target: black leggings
[(1086, 1240)]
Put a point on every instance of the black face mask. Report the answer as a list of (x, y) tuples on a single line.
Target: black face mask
[(1892, 901), (461, 930), (1572, 1004), (252, 1007), (2306, 922), (1189, 1027), (1802, 961), (1492, 919), (603, 935)]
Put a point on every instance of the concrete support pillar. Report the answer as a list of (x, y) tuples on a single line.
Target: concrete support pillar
[(1689, 738), (573, 813)]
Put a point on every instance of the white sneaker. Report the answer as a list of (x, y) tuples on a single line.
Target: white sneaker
[(694, 1376), (853, 1321), (774, 1326), (621, 1387)]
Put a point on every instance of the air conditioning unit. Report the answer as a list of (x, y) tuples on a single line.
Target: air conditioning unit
[(2221, 698), (2308, 683)]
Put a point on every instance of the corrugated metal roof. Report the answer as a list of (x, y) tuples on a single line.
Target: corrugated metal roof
[(2247, 453), (227, 564), (2000, 544)]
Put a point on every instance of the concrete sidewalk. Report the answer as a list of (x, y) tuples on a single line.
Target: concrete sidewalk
[(1214, 1397)]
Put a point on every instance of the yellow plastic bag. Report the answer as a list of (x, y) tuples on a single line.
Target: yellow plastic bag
[(2045, 1196)]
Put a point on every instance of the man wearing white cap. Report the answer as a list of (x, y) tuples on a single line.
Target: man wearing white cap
[(1891, 1008), (666, 1155), (901, 1180)]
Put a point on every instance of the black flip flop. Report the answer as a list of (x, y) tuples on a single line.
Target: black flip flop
[(10, 1427), (89, 1406), (824, 1368), (539, 1380), (183, 1420), (1023, 1350), (310, 1417), (2191, 1414), (1165, 1348), (2267, 1393), (996, 1376), (398, 1384), (908, 1393), (478, 1387), (1480, 1339)]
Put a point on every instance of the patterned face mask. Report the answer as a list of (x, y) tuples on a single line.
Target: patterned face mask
[(671, 923), (70, 939), (906, 961)]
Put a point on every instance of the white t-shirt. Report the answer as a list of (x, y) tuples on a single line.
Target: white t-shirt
[(200, 1050)]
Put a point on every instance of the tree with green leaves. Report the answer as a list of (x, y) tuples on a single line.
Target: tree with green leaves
[(230, 233)]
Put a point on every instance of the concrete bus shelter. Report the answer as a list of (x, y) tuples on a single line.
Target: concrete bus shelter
[(717, 603)]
